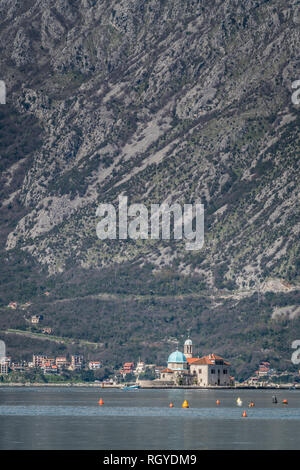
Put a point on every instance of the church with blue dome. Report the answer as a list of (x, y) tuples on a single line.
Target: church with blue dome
[(184, 369), (177, 361)]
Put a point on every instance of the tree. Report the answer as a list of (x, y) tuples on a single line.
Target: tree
[(87, 376), (149, 374)]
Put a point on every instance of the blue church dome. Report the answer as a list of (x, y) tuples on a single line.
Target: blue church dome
[(177, 356)]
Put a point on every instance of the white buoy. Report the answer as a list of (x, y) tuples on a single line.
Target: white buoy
[(239, 402)]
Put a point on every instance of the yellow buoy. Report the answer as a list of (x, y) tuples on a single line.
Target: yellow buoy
[(101, 402), (185, 404)]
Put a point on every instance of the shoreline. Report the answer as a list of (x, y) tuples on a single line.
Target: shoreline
[(99, 386)]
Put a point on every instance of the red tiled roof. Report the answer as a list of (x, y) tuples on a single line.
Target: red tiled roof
[(192, 359), (167, 370), (208, 360), (201, 361)]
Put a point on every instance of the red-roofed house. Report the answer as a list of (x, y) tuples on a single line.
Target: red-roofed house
[(12, 305), (49, 368), (167, 374), (264, 369), (128, 367), (210, 370)]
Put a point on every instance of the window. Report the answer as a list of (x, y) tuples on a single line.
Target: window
[(225, 371), (212, 371)]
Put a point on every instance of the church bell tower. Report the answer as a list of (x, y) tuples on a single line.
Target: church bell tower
[(188, 348)]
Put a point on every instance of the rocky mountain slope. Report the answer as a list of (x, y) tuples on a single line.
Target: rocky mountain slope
[(178, 101)]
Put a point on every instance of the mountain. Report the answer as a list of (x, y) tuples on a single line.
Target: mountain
[(162, 101)]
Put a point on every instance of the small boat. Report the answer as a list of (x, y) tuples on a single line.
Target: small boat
[(130, 387)]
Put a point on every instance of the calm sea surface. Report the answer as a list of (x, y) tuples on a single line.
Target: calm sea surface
[(70, 418)]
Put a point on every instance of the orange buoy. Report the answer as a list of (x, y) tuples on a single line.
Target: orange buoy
[(101, 402), (218, 402), (185, 404), (171, 405), (251, 404), (285, 402), (244, 415)]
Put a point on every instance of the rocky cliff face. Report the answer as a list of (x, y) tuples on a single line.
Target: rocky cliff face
[(179, 101)]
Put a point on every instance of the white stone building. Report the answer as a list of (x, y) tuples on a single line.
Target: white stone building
[(183, 368), (210, 370)]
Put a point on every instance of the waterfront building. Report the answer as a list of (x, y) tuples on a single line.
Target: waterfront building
[(37, 360), (76, 362), (127, 368), (167, 375), (210, 370), (93, 365), (158, 370), (140, 368), (50, 360), (61, 362), (264, 369), (6, 360), (184, 369), (49, 368), (19, 366), (3, 368)]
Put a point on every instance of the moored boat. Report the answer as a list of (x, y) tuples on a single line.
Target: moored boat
[(130, 387)]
